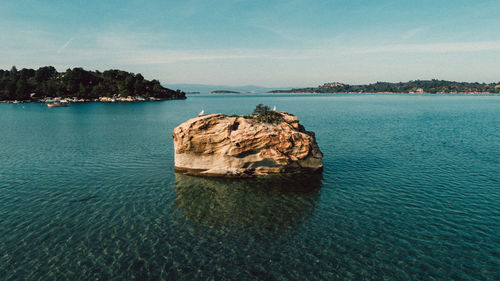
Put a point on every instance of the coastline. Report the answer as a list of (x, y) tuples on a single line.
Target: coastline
[(138, 99), (100, 99), (392, 93)]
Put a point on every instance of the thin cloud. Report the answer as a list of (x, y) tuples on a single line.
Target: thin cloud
[(281, 33), (412, 32), (64, 45), (428, 48), (172, 57)]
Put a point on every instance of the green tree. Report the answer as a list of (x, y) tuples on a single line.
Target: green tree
[(263, 113), (22, 90), (51, 88), (139, 87), (10, 89), (45, 73), (99, 91), (82, 91), (123, 90), (129, 85)]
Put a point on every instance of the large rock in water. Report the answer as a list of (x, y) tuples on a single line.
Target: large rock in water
[(220, 145)]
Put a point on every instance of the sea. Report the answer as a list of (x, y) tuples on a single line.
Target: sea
[(410, 191)]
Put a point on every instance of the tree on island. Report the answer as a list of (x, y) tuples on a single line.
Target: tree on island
[(77, 82), (263, 113)]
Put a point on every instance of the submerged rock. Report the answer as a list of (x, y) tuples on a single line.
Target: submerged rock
[(220, 145)]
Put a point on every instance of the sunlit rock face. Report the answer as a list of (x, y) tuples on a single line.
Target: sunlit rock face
[(220, 145)]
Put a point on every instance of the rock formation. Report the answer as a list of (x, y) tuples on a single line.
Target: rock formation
[(220, 145)]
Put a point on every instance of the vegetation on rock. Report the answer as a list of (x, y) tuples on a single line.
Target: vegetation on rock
[(263, 113)]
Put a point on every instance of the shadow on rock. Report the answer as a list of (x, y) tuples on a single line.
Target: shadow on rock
[(272, 204)]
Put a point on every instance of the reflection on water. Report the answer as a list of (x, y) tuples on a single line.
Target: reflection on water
[(271, 204)]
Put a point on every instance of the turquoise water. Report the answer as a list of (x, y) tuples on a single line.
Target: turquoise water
[(410, 191)]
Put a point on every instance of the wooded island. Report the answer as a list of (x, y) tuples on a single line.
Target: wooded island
[(414, 87), (82, 85)]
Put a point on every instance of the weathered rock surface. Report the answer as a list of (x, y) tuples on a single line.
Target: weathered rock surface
[(220, 145)]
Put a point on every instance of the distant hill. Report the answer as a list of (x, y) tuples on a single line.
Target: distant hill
[(202, 88), (417, 86), (224, 92)]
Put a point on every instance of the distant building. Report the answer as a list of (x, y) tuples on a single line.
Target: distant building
[(417, 91), (332, 85)]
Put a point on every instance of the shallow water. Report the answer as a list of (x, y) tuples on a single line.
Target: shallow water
[(410, 190)]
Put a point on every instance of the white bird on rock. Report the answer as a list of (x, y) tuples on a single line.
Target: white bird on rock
[(201, 113), (274, 108)]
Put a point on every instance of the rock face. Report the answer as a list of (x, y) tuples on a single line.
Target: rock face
[(220, 145)]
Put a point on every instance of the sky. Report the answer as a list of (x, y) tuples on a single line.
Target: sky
[(282, 43)]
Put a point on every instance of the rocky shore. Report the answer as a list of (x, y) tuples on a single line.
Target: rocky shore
[(243, 146), (100, 99)]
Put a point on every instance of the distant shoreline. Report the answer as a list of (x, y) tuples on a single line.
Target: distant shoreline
[(140, 100), (411, 87), (229, 92), (390, 93), (100, 99)]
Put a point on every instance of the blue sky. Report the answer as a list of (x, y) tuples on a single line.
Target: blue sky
[(267, 43)]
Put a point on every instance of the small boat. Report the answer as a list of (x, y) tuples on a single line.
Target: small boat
[(58, 104)]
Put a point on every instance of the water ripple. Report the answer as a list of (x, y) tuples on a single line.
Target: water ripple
[(410, 191)]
